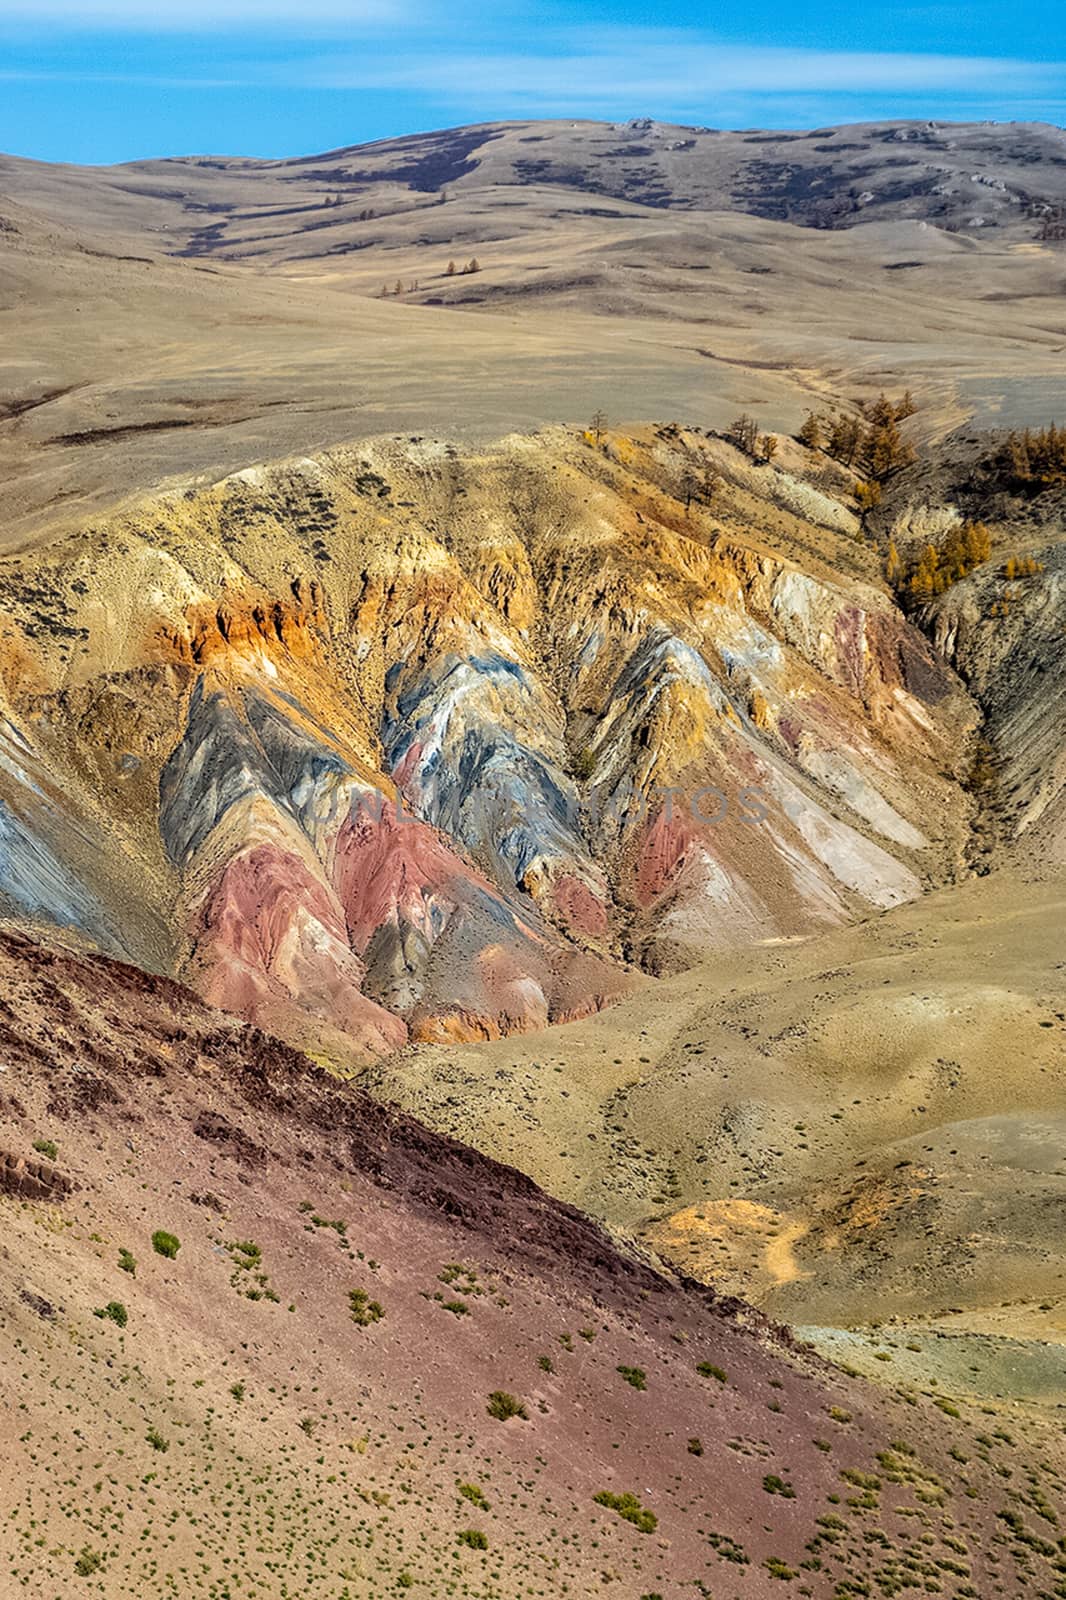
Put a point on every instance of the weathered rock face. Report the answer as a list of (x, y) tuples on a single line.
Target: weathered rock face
[(398, 744), (1005, 635)]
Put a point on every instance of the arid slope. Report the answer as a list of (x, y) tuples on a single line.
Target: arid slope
[(862, 1127), (304, 1387)]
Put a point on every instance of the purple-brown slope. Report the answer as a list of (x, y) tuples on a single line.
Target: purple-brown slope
[(302, 1388)]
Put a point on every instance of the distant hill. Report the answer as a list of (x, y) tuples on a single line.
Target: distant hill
[(188, 316), (966, 177)]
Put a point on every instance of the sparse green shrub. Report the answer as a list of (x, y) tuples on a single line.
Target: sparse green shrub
[(728, 1549), (471, 1492), (47, 1148), (695, 1447), (869, 1485), (707, 1369), (504, 1406), (364, 1311), (127, 1262), (114, 1312), (474, 1538), (157, 1440), (636, 1376), (88, 1562), (628, 1506), (166, 1244), (248, 1277), (775, 1485)]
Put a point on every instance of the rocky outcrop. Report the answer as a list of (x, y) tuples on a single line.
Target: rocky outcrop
[(31, 1180)]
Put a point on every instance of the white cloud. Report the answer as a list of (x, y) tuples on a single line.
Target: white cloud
[(659, 68), (501, 60)]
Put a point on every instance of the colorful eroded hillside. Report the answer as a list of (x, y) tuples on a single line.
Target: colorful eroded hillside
[(401, 743)]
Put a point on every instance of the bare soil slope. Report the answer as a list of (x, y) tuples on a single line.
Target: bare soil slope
[(303, 1388)]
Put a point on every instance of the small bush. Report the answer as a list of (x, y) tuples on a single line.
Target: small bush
[(695, 1447), (364, 1311), (127, 1262), (775, 1485), (628, 1506), (114, 1312), (166, 1244), (707, 1369), (46, 1147), (504, 1406), (88, 1562), (157, 1440), (474, 1538), (729, 1549), (636, 1376), (471, 1492)]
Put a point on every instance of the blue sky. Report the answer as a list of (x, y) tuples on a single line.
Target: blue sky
[(113, 80)]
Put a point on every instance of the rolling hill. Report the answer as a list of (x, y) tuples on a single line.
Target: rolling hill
[(186, 317)]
